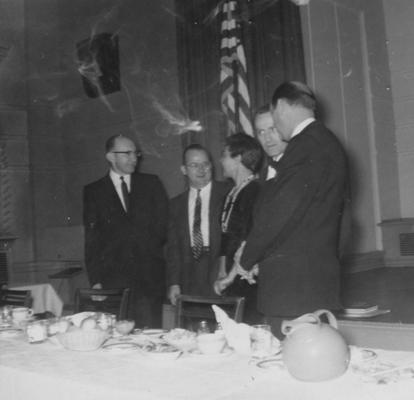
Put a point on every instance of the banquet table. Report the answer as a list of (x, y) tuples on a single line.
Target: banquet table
[(44, 371), (44, 297)]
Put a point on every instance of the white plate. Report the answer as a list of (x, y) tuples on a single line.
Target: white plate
[(120, 346), (153, 332), (359, 355), (272, 362), (9, 332)]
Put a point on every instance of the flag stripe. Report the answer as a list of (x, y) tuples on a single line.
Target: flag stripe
[(235, 99)]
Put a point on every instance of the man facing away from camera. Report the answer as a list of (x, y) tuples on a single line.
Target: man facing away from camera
[(294, 238)]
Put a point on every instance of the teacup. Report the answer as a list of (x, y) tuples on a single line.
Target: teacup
[(21, 313)]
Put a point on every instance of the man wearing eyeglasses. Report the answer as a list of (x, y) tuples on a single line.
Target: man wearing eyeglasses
[(194, 231), (125, 216)]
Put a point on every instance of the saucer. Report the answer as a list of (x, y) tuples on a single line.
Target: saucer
[(120, 346), (9, 332), (268, 363), (153, 332)]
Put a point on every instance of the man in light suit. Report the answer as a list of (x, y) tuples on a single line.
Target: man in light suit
[(187, 271), (125, 216), (294, 238)]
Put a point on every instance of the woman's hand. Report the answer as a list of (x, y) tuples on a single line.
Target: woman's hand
[(222, 283)]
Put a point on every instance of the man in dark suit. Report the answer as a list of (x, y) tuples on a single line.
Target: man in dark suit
[(270, 139), (297, 216), (191, 270), (125, 216)]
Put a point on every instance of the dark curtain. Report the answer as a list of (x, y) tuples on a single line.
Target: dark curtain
[(274, 52)]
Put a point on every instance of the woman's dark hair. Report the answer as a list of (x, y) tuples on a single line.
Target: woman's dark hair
[(248, 148)]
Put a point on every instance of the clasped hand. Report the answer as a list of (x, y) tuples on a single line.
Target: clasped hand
[(221, 284)]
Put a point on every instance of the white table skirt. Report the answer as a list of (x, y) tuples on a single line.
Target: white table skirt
[(44, 297), (46, 371)]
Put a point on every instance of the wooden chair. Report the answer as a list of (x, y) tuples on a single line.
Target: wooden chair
[(20, 298), (198, 307), (116, 301)]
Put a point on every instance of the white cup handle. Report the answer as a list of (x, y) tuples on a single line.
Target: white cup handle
[(29, 312)]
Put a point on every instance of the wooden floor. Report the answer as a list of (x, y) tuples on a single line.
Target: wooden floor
[(390, 288)]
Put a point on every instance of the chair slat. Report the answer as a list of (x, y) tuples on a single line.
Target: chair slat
[(116, 302), (199, 307)]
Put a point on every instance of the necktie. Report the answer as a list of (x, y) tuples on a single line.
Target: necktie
[(125, 193), (197, 236)]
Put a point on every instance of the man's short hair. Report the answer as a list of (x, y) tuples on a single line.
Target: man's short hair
[(264, 109), (195, 146), (110, 143), (295, 93), (248, 148)]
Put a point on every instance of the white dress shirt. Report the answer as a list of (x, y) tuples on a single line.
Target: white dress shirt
[(116, 180), (205, 193)]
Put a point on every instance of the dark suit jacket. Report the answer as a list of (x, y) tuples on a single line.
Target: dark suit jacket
[(295, 227), (179, 257), (126, 249)]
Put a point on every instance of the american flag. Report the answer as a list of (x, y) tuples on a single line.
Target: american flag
[(235, 99)]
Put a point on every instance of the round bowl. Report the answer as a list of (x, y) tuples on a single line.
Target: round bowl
[(82, 340), (211, 343), (125, 326)]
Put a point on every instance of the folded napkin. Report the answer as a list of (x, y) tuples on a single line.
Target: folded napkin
[(237, 334)]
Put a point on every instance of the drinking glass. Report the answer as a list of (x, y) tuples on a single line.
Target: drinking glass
[(261, 340), (124, 327)]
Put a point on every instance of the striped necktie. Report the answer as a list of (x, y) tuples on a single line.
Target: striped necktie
[(125, 193), (197, 235)]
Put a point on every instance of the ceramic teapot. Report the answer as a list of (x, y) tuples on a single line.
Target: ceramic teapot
[(313, 350)]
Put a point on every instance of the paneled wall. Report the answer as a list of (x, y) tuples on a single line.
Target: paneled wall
[(399, 17), (347, 64), (15, 182), (53, 134)]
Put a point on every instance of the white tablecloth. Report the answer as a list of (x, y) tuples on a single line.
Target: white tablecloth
[(44, 297), (46, 371)]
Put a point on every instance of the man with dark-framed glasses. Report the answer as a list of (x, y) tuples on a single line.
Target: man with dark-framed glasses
[(194, 233), (125, 215)]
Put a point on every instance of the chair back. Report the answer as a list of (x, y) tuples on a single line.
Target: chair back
[(199, 307), (114, 301), (11, 297)]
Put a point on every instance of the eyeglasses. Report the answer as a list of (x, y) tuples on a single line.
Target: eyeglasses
[(137, 154), (204, 165)]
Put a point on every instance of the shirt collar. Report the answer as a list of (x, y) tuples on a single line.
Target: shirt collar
[(205, 188), (116, 178), (300, 127)]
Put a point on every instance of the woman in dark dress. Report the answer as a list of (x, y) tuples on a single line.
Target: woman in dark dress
[(241, 160)]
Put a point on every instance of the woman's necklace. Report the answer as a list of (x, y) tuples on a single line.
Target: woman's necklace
[(230, 200)]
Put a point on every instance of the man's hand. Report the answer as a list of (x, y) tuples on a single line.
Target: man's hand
[(98, 298), (173, 292), (249, 276)]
